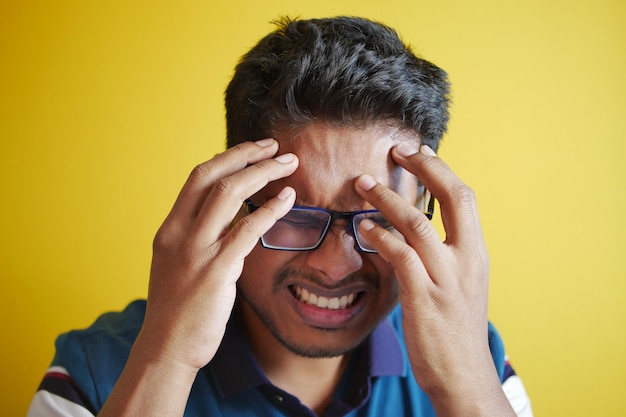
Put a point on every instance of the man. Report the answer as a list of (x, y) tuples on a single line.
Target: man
[(257, 306)]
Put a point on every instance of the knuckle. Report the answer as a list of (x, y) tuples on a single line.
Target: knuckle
[(419, 225), (239, 149), (159, 242), (163, 240), (265, 167), (225, 186), (405, 256), (201, 171), (259, 167), (247, 226), (464, 195)]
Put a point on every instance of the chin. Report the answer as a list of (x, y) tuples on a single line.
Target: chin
[(321, 350)]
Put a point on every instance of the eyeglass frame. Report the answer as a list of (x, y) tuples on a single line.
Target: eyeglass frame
[(334, 215)]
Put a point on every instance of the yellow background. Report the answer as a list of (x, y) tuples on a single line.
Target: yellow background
[(105, 106)]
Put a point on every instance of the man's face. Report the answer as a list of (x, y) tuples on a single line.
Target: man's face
[(284, 292)]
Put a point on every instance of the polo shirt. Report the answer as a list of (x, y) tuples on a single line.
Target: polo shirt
[(378, 380)]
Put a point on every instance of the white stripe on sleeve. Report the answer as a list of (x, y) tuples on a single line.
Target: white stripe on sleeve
[(46, 404), (516, 393)]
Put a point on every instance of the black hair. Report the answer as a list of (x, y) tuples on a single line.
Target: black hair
[(342, 70)]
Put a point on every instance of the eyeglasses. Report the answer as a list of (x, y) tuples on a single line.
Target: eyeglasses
[(304, 228)]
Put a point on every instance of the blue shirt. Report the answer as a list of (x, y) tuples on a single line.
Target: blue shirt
[(378, 380)]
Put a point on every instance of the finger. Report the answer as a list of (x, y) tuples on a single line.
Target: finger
[(408, 266), (456, 200), (203, 177), (225, 199), (245, 234), (413, 225)]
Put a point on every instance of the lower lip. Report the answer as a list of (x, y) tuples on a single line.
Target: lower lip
[(324, 318)]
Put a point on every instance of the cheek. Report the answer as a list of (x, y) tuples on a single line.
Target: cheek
[(389, 285), (261, 268)]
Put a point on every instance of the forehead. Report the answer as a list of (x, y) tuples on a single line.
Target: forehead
[(331, 157)]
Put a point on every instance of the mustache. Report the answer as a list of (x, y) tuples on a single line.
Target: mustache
[(315, 278)]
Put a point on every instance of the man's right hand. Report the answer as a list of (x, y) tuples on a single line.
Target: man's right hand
[(198, 257)]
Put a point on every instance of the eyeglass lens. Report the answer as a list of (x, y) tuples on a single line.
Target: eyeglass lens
[(298, 229)]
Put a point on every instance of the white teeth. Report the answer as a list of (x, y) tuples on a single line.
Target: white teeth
[(333, 303), (350, 299), (321, 301)]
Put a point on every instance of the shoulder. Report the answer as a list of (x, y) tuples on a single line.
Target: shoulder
[(95, 357), (111, 330)]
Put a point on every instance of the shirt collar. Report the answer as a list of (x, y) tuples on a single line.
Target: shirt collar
[(384, 351), (235, 368)]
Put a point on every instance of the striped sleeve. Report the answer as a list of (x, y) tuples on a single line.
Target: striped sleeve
[(58, 396), (515, 392)]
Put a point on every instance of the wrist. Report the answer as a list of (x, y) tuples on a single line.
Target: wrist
[(151, 384), (468, 392), (157, 354)]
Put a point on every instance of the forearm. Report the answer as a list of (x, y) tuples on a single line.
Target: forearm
[(150, 387), (482, 401), (472, 392)]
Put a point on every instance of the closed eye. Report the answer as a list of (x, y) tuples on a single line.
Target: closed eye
[(304, 219), (382, 222)]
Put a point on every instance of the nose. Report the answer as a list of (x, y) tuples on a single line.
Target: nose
[(337, 256)]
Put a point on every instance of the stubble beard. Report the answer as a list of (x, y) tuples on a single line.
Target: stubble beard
[(308, 351)]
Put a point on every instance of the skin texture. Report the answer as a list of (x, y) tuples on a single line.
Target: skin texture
[(202, 258)]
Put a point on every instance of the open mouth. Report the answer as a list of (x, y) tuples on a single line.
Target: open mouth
[(331, 303)]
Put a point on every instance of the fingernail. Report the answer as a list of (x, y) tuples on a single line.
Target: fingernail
[(366, 182), (366, 225), (285, 158), (427, 150), (405, 149), (285, 193), (264, 143)]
